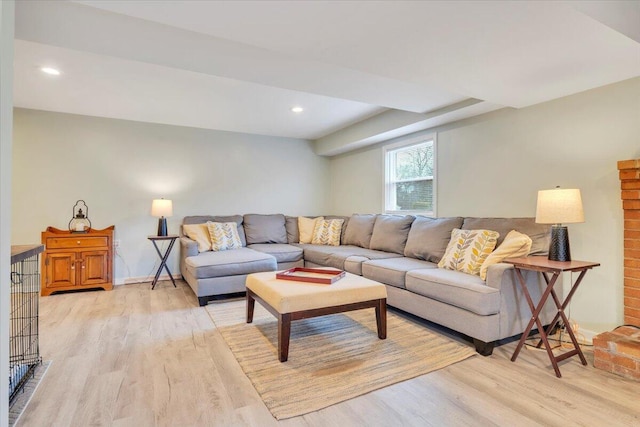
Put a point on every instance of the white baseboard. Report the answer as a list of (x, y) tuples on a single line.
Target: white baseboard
[(587, 334), (143, 279)]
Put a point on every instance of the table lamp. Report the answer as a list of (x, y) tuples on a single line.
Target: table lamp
[(557, 206), (162, 208)]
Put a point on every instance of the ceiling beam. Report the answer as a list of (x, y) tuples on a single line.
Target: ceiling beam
[(393, 123)]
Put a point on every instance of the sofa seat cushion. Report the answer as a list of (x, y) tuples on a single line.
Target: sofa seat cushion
[(335, 256), (462, 290), (229, 263), (392, 271), (353, 264), (282, 252)]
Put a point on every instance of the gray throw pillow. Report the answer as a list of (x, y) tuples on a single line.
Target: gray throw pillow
[(540, 233), (359, 230), (265, 228), (429, 237), (390, 233)]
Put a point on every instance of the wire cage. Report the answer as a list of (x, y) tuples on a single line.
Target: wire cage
[(24, 350)]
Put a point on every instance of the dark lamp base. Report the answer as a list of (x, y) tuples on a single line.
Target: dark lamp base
[(559, 249), (162, 226)]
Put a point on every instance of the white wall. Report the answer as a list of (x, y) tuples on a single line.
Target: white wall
[(119, 166), (6, 105), (490, 165), (493, 165)]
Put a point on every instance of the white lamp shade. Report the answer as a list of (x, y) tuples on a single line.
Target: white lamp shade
[(558, 206), (161, 208)]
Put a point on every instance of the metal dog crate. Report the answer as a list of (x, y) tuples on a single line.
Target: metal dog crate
[(24, 351)]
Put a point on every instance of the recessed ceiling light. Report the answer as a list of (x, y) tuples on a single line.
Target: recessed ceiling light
[(297, 109), (49, 70)]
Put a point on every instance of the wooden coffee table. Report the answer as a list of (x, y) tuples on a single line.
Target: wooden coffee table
[(293, 300)]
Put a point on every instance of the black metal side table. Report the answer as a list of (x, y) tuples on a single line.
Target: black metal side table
[(163, 257)]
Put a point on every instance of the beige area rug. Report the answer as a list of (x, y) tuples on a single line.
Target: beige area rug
[(332, 358)]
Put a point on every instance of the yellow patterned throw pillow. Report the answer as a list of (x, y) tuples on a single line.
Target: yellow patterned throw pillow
[(199, 233), (327, 232), (468, 249), (224, 236)]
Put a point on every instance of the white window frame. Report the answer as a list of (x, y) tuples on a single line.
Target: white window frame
[(388, 187)]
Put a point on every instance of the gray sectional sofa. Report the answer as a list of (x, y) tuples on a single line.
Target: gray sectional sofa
[(400, 251)]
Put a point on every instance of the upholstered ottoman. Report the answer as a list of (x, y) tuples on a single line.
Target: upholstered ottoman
[(294, 300)]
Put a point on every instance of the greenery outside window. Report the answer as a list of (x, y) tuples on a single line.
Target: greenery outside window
[(410, 170)]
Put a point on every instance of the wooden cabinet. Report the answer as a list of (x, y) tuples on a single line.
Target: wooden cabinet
[(76, 260)]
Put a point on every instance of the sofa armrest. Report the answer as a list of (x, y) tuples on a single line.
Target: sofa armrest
[(514, 310), (188, 247), (496, 272), (502, 276)]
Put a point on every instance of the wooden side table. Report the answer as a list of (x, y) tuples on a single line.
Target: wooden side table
[(555, 268), (163, 257)]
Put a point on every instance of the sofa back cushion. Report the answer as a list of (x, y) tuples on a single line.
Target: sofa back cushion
[(429, 237), (265, 228), (359, 230), (390, 233), (540, 233), (291, 225), (202, 219)]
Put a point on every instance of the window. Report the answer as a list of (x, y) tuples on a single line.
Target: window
[(410, 171)]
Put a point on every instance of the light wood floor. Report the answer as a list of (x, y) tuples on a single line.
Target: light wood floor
[(136, 357)]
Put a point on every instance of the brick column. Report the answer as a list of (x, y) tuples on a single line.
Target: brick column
[(619, 351), (630, 192)]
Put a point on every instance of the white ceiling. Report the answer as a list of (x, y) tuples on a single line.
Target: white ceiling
[(241, 66)]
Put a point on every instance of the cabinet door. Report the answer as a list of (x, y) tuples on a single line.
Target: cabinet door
[(60, 269), (94, 267)]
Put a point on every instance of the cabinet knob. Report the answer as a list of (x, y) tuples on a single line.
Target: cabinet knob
[(73, 267), (83, 266), (78, 242)]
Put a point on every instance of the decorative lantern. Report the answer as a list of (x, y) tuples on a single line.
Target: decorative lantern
[(80, 221)]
